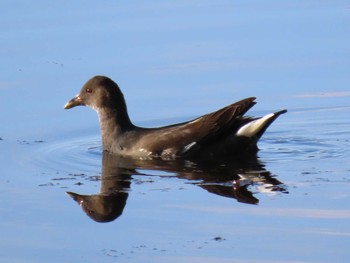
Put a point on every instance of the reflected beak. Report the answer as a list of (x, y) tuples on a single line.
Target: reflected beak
[(75, 196), (76, 101)]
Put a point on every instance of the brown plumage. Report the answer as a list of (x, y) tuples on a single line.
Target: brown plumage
[(223, 132)]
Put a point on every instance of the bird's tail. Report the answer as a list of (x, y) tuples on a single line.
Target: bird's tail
[(256, 128)]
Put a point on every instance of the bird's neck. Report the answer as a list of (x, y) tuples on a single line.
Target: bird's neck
[(113, 124)]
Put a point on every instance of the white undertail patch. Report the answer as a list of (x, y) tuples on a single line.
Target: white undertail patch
[(254, 127)]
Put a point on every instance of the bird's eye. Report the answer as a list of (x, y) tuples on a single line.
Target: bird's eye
[(88, 90)]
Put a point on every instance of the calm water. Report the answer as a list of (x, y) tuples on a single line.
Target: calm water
[(175, 61)]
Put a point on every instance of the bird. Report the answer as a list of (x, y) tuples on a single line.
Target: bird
[(225, 132)]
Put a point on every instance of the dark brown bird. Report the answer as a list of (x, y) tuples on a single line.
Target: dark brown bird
[(220, 133)]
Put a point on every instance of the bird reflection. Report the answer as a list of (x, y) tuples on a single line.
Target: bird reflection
[(224, 177)]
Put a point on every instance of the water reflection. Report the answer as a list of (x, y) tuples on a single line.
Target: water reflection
[(227, 178)]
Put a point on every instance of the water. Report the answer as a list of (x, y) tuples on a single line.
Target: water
[(175, 61)]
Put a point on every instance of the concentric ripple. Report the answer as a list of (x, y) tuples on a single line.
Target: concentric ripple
[(307, 137), (81, 154)]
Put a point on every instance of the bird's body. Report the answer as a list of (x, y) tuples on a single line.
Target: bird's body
[(223, 132)]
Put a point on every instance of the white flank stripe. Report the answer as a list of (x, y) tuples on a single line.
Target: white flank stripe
[(188, 146)]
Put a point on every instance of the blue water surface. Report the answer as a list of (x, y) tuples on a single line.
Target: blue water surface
[(175, 61)]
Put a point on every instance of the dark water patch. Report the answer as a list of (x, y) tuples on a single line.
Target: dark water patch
[(229, 179), (219, 238)]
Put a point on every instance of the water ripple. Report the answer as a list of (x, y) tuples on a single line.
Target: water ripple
[(72, 154)]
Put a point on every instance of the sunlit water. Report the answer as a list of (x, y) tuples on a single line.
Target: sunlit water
[(173, 211), (174, 60)]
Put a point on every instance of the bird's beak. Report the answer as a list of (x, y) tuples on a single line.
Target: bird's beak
[(76, 101)]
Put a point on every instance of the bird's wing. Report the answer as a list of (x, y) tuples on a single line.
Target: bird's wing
[(206, 128)]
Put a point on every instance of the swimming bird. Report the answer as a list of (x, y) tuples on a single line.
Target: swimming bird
[(224, 132)]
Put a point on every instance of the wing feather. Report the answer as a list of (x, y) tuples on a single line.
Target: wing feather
[(200, 130)]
